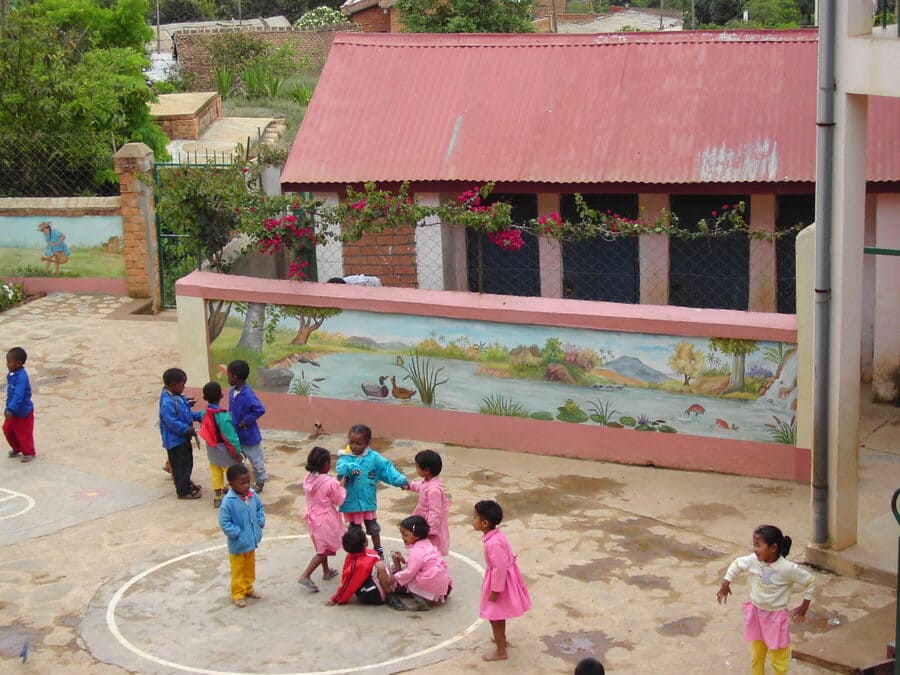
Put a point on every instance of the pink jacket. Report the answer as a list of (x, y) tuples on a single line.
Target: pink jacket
[(425, 573), (433, 506)]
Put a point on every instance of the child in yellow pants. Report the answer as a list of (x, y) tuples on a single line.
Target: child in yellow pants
[(242, 519)]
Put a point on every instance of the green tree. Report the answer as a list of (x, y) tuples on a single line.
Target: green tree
[(687, 361), (738, 349), (774, 13), (311, 320), (717, 12), (466, 16)]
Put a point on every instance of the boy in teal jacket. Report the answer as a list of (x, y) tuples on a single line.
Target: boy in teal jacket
[(223, 448), (242, 519), (364, 467)]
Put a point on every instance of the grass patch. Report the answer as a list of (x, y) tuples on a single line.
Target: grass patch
[(85, 261)]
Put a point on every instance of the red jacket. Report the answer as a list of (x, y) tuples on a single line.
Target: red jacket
[(357, 569)]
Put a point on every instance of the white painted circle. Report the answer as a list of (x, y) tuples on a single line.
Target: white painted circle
[(7, 496), (121, 639)]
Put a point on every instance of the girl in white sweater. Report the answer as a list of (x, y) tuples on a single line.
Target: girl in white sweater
[(766, 614)]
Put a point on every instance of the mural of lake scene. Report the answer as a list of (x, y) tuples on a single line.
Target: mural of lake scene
[(94, 244), (728, 388)]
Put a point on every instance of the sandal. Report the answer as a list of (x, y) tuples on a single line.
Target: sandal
[(394, 602), (330, 574), (309, 584)]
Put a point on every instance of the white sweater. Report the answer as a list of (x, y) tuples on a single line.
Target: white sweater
[(770, 584)]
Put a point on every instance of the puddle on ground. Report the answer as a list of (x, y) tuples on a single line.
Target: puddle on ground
[(691, 626), (596, 570), (14, 636), (570, 611), (380, 444), (484, 476), (818, 621), (573, 647), (541, 500), (294, 488), (287, 448), (708, 511), (648, 582), (282, 506), (67, 620), (585, 486), (640, 545)]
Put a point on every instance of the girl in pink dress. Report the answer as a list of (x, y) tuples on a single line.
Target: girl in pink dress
[(433, 504), (503, 592), (423, 574), (324, 494)]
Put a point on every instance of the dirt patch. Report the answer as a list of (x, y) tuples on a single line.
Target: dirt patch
[(596, 570), (541, 500), (642, 546), (585, 486), (707, 511), (691, 626), (14, 637), (287, 448), (573, 647), (282, 506), (649, 581)]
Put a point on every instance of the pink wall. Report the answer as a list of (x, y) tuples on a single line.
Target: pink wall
[(526, 435), (34, 285)]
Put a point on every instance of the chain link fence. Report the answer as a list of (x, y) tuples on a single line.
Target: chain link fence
[(46, 165)]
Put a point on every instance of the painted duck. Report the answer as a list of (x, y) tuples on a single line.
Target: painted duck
[(400, 392), (379, 390)]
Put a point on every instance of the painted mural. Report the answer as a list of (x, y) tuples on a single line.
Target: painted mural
[(66, 246), (728, 388)]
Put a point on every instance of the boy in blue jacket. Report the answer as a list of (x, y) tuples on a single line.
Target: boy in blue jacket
[(242, 519), (18, 416), (176, 426), (245, 408), (363, 468)]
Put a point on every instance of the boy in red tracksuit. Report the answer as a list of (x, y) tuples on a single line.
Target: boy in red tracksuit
[(357, 577)]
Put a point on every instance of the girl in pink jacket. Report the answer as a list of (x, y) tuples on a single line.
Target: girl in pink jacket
[(503, 592), (433, 504), (324, 494), (423, 574)]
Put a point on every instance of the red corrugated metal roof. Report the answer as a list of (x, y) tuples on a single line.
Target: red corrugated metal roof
[(660, 108)]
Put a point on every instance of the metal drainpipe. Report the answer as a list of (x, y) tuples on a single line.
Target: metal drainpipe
[(824, 191)]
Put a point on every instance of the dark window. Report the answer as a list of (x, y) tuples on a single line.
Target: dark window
[(791, 209), (492, 269), (711, 272), (600, 269)]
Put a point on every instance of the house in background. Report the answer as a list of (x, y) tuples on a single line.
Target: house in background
[(373, 16), (637, 123)]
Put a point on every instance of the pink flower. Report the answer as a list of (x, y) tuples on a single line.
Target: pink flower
[(245, 170), (714, 214), (295, 269), (508, 240), (358, 206)]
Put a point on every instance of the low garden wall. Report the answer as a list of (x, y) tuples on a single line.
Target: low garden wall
[(683, 388)]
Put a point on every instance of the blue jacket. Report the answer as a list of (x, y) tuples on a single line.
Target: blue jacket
[(245, 407), (242, 522), (176, 419), (18, 393), (372, 468)]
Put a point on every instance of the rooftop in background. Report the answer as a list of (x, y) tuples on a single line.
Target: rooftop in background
[(166, 30), (665, 108)]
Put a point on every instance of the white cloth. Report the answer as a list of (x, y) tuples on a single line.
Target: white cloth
[(770, 585), (362, 280)]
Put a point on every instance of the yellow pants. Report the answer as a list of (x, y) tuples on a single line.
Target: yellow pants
[(243, 573), (780, 658), (218, 476)]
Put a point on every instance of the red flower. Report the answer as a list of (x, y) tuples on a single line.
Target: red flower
[(714, 214), (508, 240), (358, 206)]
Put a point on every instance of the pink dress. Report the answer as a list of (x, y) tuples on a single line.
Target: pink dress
[(425, 573), (503, 577), (433, 507), (323, 495)]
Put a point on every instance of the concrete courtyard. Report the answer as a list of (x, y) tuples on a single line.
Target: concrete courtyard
[(103, 570)]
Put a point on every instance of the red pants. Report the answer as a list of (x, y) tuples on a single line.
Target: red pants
[(19, 432)]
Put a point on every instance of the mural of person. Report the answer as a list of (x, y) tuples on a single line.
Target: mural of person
[(57, 250)]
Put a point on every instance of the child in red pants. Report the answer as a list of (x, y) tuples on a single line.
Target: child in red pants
[(18, 422)]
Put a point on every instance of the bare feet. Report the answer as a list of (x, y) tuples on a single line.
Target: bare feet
[(508, 644), (496, 656)]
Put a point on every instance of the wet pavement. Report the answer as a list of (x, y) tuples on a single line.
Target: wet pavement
[(102, 570)]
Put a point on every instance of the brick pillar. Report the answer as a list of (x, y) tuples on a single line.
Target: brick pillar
[(134, 165), (653, 253), (551, 262)]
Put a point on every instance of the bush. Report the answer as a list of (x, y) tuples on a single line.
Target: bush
[(176, 11), (321, 16), (10, 295)]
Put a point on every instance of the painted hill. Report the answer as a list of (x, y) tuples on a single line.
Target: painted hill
[(636, 369)]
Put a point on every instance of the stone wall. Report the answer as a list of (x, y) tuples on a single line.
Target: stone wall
[(310, 48)]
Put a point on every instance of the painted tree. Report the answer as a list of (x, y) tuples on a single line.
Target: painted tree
[(738, 349), (311, 320), (687, 361), (466, 16)]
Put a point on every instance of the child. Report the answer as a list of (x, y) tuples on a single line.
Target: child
[(323, 495), (503, 592), (358, 577), (242, 519), (176, 426), (223, 448), (589, 666), (245, 408), (433, 504), (363, 468), (425, 576), (766, 615), (18, 417)]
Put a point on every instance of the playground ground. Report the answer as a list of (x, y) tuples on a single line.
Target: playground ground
[(103, 570)]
